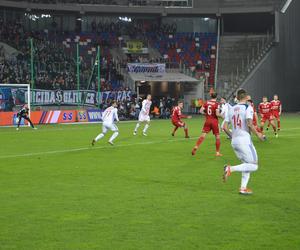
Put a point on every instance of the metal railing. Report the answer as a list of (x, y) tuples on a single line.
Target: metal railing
[(247, 64)]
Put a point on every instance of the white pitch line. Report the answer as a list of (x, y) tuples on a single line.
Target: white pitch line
[(43, 127), (106, 147), (89, 148), (78, 127)]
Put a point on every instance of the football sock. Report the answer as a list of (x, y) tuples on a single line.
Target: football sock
[(278, 124), (200, 140), (186, 131), (218, 144), (222, 125), (114, 136), (274, 128), (99, 137), (145, 128), (245, 167), (174, 130), (19, 121), (136, 127), (245, 179), (31, 124)]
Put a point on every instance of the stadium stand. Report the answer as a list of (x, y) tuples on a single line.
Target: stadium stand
[(174, 3), (54, 56), (238, 54), (197, 51)]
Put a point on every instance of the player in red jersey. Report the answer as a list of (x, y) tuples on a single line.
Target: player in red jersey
[(176, 119), (255, 116), (212, 112), (265, 111), (276, 110)]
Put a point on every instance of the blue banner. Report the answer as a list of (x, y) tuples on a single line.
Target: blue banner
[(94, 115)]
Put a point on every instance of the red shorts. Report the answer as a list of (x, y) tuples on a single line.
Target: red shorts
[(276, 114), (211, 125), (267, 118), (179, 124)]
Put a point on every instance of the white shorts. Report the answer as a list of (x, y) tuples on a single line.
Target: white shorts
[(245, 152), (109, 126), (144, 118)]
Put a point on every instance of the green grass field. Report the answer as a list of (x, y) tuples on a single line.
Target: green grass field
[(57, 192)]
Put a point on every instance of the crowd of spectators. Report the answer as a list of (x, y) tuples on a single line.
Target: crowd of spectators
[(54, 67), (135, 28), (161, 108)]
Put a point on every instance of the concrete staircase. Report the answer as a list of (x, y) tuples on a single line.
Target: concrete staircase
[(118, 54), (238, 55), (238, 4), (8, 50), (154, 53)]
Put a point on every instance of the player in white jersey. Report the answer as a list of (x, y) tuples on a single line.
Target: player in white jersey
[(144, 115), (109, 116), (224, 110), (240, 116)]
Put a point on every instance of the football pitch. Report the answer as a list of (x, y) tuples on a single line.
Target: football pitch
[(59, 192)]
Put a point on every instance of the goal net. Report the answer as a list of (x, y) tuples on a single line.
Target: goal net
[(13, 97)]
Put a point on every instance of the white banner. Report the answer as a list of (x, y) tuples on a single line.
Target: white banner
[(146, 67), (73, 97)]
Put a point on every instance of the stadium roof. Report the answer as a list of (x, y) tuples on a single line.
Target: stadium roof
[(161, 77), (147, 7)]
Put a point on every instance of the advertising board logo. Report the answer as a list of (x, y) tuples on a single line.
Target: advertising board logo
[(94, 115)]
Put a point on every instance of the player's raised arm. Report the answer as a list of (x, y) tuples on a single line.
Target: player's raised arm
[(254, 131), (143, 106), (260, 110), (226, 129), (280, 108), (203, 110), (218, 114), (256, 116), (249, 118), (226, 125), (182, 116)]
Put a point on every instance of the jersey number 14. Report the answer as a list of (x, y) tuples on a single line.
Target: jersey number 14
[(237, 122)]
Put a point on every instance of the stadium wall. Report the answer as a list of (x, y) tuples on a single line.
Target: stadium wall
[(280, 72)]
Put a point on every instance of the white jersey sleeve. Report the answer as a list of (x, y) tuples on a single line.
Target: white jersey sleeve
[(249, 113), (227, 117), (224, 109), (116, 117), (144, 106)]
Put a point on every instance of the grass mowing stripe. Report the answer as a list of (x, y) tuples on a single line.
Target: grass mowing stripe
[(105, 147), (90, 148)]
